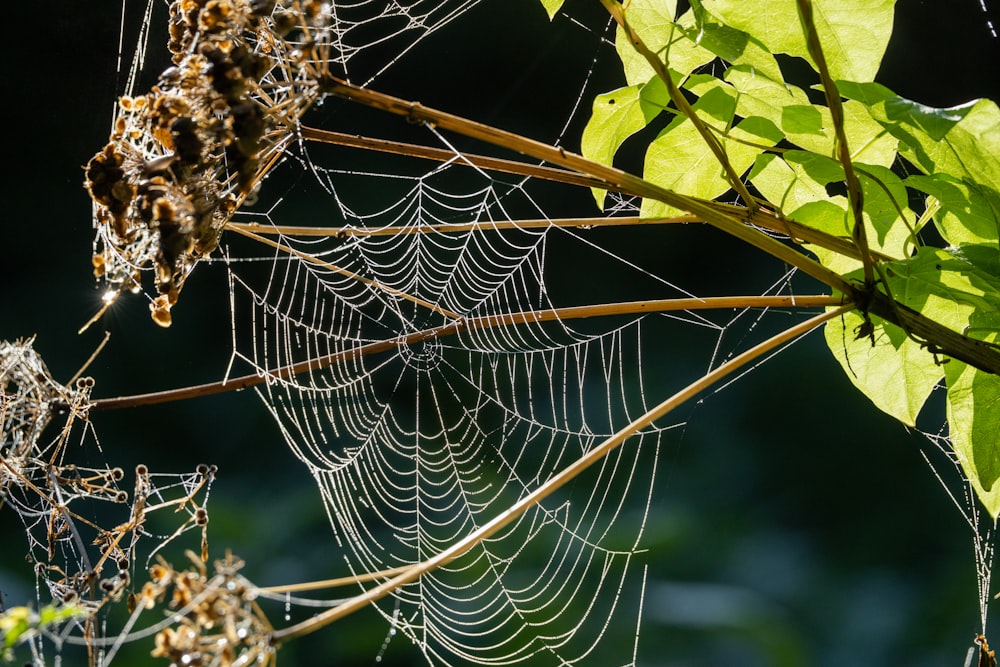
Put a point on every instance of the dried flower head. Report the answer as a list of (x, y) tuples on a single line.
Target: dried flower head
[(216, 621), (184, 156)]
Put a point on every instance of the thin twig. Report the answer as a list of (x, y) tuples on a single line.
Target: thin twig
[(442, 155), (471, 324), (90, 359), (334, 583), (349, 231)]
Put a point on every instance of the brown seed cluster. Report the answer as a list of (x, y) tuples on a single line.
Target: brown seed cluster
[(184, 156), (81, 552), (216, 622)]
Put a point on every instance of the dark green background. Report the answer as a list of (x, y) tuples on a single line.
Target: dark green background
[(788, 496)]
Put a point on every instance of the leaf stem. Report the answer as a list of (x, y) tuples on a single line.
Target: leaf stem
[(855, 195)]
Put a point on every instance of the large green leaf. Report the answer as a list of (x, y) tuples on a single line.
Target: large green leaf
[(974, 427), (966, 214), (896, 373), (854, 33), (959, 148), (959, 288)]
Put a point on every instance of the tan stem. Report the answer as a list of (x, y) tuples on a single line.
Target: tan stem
[(509, 319), (457, 228), (441, 155)]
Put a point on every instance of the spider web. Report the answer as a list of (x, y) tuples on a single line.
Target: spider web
[(446, 374), (418, 445)]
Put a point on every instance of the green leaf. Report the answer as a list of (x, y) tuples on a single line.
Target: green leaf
[(796, 182), (615, 117), (14, 623), (959, 288), (966, 214), (896, 374), (854, 33), (785, 185), (974, 427), (734, 46), (810, 126), (958, 147), (551, 7), (802, 119), (963, 141), (653, 21)]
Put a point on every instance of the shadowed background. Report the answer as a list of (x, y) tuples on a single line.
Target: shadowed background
[(823, 539)]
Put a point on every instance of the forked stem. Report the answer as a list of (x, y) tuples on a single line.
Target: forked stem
[(553, 484), (736, 221)]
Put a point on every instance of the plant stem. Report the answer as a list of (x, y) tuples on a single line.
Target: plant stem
[(552, 484), (470, 324), (456, 228), (855, 195), (442, 155)]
